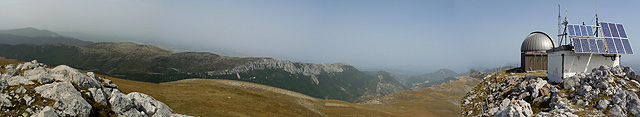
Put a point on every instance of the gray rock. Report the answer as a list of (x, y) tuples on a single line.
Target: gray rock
[(584, 91), (543, 114), (48, 111), (17, 80), (617, 70), (28, 99), (66, 73), (617, 111), (571, 82), (149, 105), (633, 104), (21, 90), (603, 104), (493, 111), (517, 108), (120, 103), (28, 65), (98, 96), (3, 83), (40, 74), (132, 113), (28, 110), (69, 101), (4, 100), (10, 70)]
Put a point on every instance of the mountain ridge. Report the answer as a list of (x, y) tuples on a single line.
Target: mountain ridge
[(152, 64), (36, 36)]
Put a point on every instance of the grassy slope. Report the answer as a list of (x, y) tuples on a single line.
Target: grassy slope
[(217, 97), (237, 98)]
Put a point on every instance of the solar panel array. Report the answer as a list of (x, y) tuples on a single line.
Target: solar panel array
[(615, 39), (580, 30)]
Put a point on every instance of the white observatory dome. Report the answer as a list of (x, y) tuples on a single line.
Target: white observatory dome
[(538, 41)]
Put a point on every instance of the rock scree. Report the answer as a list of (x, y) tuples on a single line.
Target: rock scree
[(606, 91)]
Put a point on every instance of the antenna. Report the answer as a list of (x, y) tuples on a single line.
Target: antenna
[(565, 23), (559, 25)]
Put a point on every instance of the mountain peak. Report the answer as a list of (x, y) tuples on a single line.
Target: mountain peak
[(31, 32)]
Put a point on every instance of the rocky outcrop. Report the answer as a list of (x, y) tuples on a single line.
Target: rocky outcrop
[(63, 91), (605, 91), (515, 108), (306, 69)]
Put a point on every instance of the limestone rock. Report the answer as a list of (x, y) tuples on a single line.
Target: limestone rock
[(10, 70), (617, 111), (28, 99), (98, 96), (3, 83), (69, 101), (120, 103), (48, 111), (40, 74), (132, 113), (571, 82), (21, 90), (66, 73), (17, 80), (150, 105), (602, 104), (4, 100), (516, 108)]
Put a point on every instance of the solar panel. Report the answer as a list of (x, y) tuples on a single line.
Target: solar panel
[(614, 30), (611, 47), (601, 46), (570, 30), (576, 45), (621, 31), (578, 30), (585, 45), (627, 46), (584, 30), (590, 31), (605, 29), (619, 46), (593, 45)]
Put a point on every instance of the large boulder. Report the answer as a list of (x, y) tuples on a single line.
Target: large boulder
[(17, 80), (515, 108), (48, 111), (120, 103), (571, 82), (69, 101), (40, 74), (66, 73), (149, 105)]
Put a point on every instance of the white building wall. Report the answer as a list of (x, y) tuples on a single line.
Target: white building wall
[(575, 63)]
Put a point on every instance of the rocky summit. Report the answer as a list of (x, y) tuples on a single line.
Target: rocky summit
[(33, 89), (606, 91)]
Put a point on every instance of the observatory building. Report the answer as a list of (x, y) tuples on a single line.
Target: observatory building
[(588, 47), (533, 52)]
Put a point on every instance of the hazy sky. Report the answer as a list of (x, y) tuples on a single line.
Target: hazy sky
[(420, 35)]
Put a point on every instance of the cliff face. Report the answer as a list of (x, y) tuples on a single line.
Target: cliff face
[(306, 69), (604, 92), (33, 89)]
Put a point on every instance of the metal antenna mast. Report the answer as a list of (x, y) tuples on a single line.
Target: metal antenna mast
[(560, 34)]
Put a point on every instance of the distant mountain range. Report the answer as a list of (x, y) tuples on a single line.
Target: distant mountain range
[(36, 36), (434, 78)]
